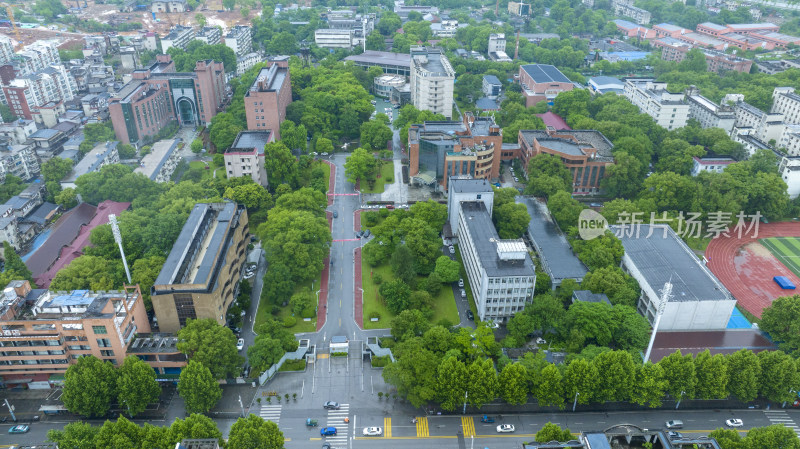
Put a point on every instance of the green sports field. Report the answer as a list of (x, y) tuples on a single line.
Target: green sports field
[(786, 250)]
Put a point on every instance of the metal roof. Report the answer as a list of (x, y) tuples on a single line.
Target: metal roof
[(545, 73), (485, 240), (662, 258), (469, 185)]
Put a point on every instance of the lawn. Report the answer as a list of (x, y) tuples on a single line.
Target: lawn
[(387, 172), (444, 304), (205, 174), (786, 250), (302, 326)]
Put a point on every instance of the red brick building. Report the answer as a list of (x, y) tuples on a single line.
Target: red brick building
[(542, 82), (266, 101)]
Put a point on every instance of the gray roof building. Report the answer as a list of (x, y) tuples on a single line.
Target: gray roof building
[(545, 73)]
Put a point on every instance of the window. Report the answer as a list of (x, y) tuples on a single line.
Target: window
[(99, 330)]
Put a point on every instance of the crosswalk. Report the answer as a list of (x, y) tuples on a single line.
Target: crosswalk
[(781, 417), (387, 427), (422, 427), (271, 413), (468, 426), (336, 418)]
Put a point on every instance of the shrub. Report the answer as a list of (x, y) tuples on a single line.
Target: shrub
[(388, 179), (308, 313), (377, 279), (384, 212), (275, 310), (380, 362), (374, 315), (289, 321), (370, 218), (387, 342)]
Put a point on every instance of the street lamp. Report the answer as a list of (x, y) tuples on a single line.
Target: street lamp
[(10, 409), (466, 394), (679, 400), (575, 402)]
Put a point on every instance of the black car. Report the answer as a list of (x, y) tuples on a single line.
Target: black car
[(331, 405), (335, 214), (470, 315), (366, 233)]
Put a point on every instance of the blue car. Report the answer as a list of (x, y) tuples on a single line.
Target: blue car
[(327, 431)]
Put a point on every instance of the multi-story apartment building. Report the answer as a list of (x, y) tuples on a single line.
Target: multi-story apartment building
[(491, 86), (360, 24), (439, 150), (789, 169), (500, 272), (587, 154), (402, 10), (445, 29), (266, 101), (519, 9), (466, 190), (785, 101), (160, 163), (239, 39), (752, 121), (497, 48), (542, 82), (625, 8), (169, 6), (6, 49), (630, 29), (673, 49), (209, 35), (44, 332), (248, 61), (37, 56), (246, 156), (432, 79), (19, 160), (667, 109), (17, 132), (158, 95), (708, 113), (179, 36), (26, 94), (104, 153), (330, 38), (200, 278)]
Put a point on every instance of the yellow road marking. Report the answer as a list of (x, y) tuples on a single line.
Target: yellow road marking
[(468, 424), (322, 355), (422, 427), (387, 427)]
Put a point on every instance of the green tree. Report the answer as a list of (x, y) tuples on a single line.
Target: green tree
[(293, 136), (727, 438), (680, 375), (712, 376), (513, 383), (280, 164), (254, 432), (324, 145), (75, 435), (223, 130), (774, 436), (360, 165), (145, 272), (670, 191), (136, 385), (616, 382), (402, 263), (549, 389), (564, 209), (451, 382), (89, 273), (396, 293), (648, 385), (89, 387), (414, 372), (194, 426), (482, 384), (13, 264), (200, 19), (782, 321), (251, 195), (547, 175), (430, 212), (375, 133), (512, 220), (55, 169), (196, 146), (447, 269), (198, 388), (389, 23), (121, 434), (409, 323), (779, 378), (603, 251), (745, 373), (6, 114), (632, 331), (552, 432), (615, 283), (211, 344), (375, 41), (580, 377)]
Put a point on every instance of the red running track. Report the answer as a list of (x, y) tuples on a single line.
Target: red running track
[(746, 268)]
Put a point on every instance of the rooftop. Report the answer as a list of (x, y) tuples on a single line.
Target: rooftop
[(64, 232), (160, 153), (668, 27), (713, 26), (491, 79), (488, 244), (250, 140), (458, 185), (717, 342), (584, 138), (626, 25), (432, 61), (550, 118), (550, 243), (545, 73), (588, 296), (269, 79), (383, 58), (92, 161), (153, 343), (666, 258)]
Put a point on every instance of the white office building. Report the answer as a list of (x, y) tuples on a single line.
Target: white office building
[(789, 169), (432, 79), (708, 113), (330, 38), (497, 48), (785, 101), (667, 109), (179, 36), (209, 35), (239, 40), (656, 256)]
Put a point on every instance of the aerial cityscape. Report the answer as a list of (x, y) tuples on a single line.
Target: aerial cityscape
[(242, 224)]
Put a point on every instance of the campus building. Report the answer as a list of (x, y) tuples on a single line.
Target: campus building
[(542, 82), (44, 332), (432, 79), (587, 154), (652, 98), (497, 48), (246, 156), (500, 272), (200, 278), (441, 149), (625, 8), (239, 40), (655, 255), (785, 101), (160, 163), (209, 35), (673, 49), (708, 113), (266, 101), (390, 63), (179, 36), (104, 153), (158, 95)]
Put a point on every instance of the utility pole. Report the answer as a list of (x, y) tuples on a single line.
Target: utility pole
[(666, 293)]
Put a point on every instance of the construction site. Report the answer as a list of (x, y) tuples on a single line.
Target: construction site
[(110, 14)]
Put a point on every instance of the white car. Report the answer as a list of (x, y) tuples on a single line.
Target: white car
[(240, 344), (463, 293), (452, 249), (505, 428), (461, 282), (734, 422), (373, 431), (249, 275)]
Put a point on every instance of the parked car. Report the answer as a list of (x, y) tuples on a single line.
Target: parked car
[(595, 204), (673, 435), (367, 233), (452, 249), (470, 315), (373, 431), (461, 282), (335, 214), (674, 424), (735, 422), (463, 293), (327, 431), (331, 405), (505, 428), (240, 344), (22, 428)]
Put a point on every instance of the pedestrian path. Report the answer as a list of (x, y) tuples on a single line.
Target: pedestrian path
[(781, 417), (271, 413), (336, 418), (422, 427), (387, 427), (468, 426)]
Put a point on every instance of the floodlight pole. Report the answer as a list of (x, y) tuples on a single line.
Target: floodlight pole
[(112, 220), (666, 292)]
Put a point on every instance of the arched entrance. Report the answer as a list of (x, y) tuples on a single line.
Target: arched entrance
[(187, 114)]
